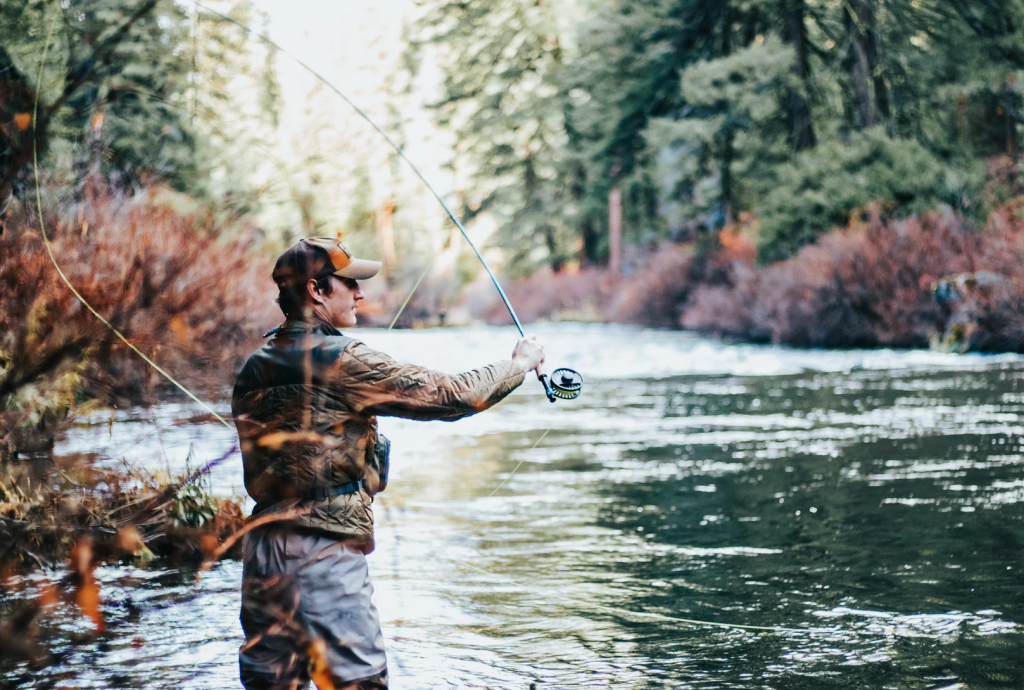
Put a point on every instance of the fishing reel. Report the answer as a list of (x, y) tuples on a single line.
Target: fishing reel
[(565, 384)]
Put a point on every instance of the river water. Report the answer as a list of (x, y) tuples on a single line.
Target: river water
[(871, 503)]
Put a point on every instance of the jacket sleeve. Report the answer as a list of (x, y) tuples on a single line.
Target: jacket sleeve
[(374, 384)]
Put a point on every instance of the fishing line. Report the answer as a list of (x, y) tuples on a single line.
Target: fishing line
[(53, 259), (411, 293), (505, 481)]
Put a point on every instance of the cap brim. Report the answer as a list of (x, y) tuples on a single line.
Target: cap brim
[(359, 269)]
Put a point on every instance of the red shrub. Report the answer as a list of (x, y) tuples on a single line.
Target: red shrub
[(193, 303), (657, 295), (871, 285), (546, 295)]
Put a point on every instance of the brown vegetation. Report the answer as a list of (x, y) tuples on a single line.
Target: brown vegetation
[(908, 283), (925, 281), (83, 517), (658, 294), (654, 296), (130, 514), (583, 295), (192, 302)]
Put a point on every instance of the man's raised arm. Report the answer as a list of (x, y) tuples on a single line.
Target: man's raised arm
[(375, 384)]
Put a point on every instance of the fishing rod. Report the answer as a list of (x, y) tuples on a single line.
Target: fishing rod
[(565, 383)]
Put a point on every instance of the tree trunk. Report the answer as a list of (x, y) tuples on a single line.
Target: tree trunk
[(799, 109), (860, 66), (588, 252), (1010, 95), (615, 231), (869, 81), (557, 263)]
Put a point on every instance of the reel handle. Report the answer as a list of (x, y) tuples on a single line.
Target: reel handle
[(543, 378)]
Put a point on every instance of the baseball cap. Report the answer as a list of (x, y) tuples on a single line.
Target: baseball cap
[(316, 257)]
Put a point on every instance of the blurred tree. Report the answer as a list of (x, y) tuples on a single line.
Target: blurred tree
[(233, 102), (110, 76), (797, 97), (133, 90), (700, 110), (628, 72), (735, 128), (503, 98)]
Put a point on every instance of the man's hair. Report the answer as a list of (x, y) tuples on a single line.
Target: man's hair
[(292, 298)]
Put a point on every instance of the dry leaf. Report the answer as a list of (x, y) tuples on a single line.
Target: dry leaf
[(87, 594), (179, 328), (130, 540), (319, 670), (279, 438)]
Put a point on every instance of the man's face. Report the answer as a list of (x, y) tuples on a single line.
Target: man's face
[(339, 307)]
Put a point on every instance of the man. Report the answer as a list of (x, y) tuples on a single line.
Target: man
[(305, 405)]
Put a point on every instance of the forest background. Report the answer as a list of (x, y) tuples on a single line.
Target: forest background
[(825, 173)]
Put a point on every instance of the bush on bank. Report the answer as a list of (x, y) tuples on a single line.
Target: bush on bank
[(928, 281), (127, 515), (821, 187), (193, 302), (190, 301)]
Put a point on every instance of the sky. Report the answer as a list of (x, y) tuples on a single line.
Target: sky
[(357, 46), (350, 42)]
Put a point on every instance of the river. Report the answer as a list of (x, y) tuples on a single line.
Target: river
[(866, 507)]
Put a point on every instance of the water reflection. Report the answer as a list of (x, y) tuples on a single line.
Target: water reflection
[(869, 502)]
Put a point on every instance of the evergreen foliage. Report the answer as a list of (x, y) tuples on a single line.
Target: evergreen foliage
[(503, 98), (821, 187), (797, 111), (132, 90)]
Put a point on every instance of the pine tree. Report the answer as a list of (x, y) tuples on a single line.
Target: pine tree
[(504, 101), (134, 91), (734, 131), (689, 112)]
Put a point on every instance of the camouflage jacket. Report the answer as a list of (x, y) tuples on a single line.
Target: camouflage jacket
[(305, 405)]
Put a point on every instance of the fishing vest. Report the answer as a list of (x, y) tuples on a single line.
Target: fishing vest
[(306, 406)]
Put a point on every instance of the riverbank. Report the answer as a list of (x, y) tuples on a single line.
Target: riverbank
[(49, 504), (933, 281)]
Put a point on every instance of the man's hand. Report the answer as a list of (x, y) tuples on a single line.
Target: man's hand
[(528, 353)]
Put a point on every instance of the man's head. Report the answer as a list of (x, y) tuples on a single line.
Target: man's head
[(318, 276)]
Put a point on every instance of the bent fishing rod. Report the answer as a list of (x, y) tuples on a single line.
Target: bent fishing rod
[(565, 383)]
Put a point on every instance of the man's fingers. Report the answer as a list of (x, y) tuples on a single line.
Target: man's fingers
[(529, 353)]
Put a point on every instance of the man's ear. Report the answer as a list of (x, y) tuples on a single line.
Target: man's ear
[(314, 292)]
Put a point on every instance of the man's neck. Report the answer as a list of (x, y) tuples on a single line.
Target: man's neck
[(313, 321)]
